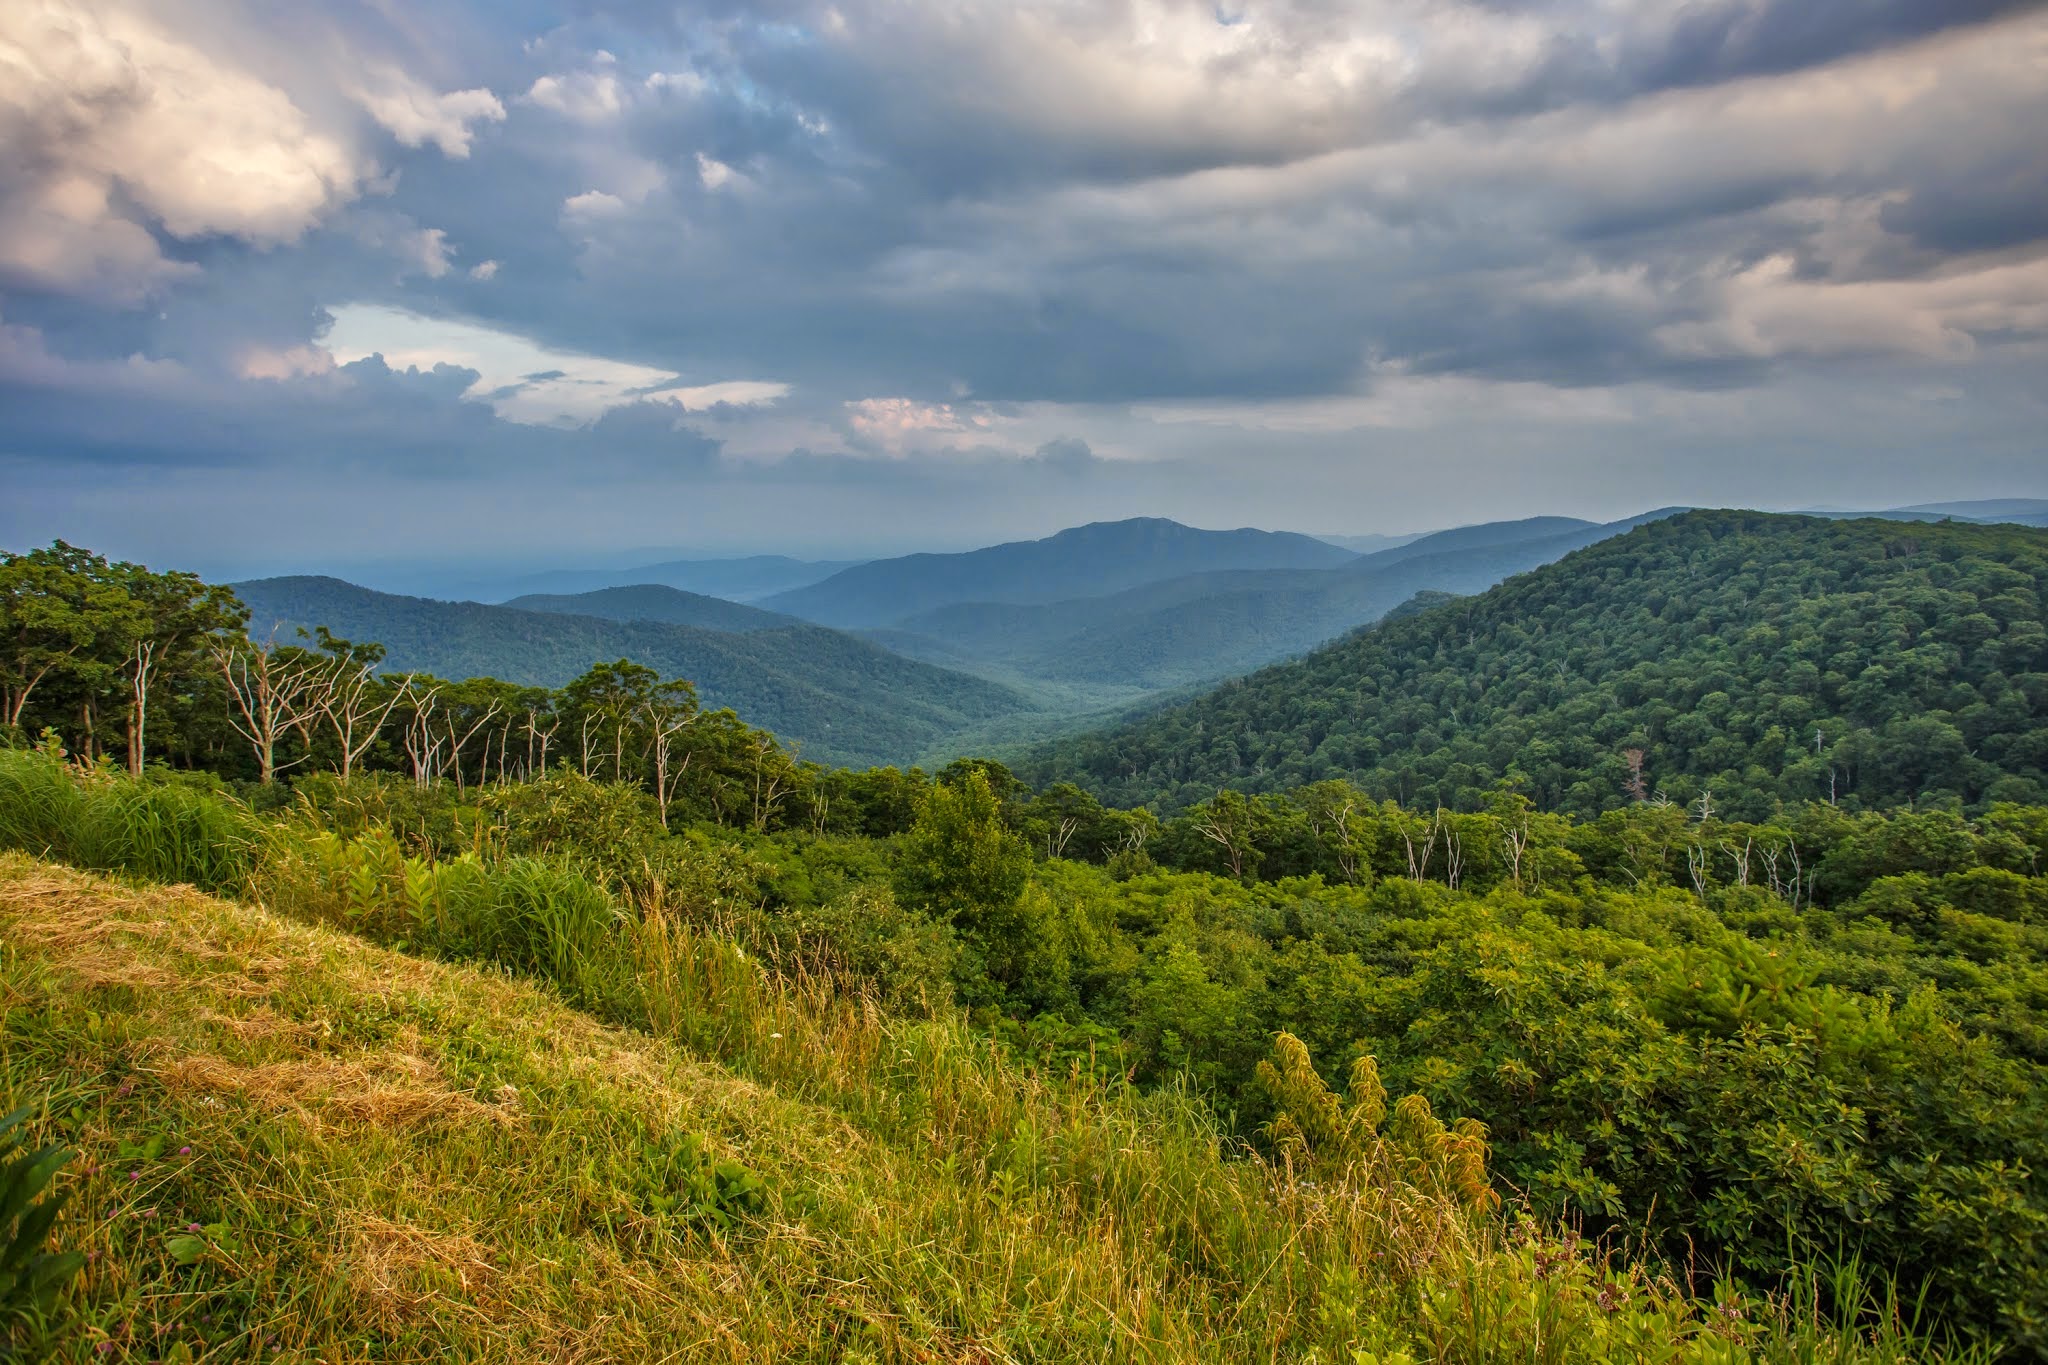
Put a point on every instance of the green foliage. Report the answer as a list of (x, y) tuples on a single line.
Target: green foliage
[(960, 863), (843, 699), (1763, 658), (30, 1277), (677, 1179), (163, 831)]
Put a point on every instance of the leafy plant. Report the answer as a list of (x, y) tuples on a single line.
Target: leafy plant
[(30, 1278), (678, 1178)]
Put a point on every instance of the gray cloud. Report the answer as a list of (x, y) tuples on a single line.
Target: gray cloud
[(980, 250)]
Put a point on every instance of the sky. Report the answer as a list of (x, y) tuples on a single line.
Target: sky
[(296, 287)]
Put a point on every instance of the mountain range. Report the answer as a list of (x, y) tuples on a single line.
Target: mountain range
[(921, 657), (842, 699), (1766, 658)]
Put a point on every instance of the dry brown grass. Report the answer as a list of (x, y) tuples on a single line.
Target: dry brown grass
[(392, 1092)]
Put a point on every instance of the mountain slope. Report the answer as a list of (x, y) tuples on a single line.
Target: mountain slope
[(1767, 657), (656, 602), (739, 580), (844, 699), (1203, 627), (1087, 561)]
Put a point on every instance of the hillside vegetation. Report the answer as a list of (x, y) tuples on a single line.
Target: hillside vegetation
[(1202, 627), (656, 602), (1763, 658), (1787, 1068), (844, 700), (294, 1145)]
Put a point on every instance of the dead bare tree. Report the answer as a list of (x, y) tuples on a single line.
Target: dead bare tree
[(1454, 850), (271, 693), (354, 709), (769, 788), (457, 744), (422, 745), (535, 736), (1225, 822), (1418, 869), (1637, 786), (142, 660), (664, 725), (1740, 857), (1514, 842)]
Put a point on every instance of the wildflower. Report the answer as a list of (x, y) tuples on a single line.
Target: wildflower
[(191, 1227), (135, 1175), (774, 1035), (185, 1150)]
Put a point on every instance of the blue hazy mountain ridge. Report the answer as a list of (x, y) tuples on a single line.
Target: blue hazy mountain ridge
[(1983, 511), (1086, 561), (844, 700), (746, 579), (660, 603), (1209, 626)]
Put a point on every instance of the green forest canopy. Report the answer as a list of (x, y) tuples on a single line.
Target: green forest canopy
[(1761, 658)]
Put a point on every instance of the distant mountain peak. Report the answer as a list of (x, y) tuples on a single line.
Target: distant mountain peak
[(1092, 560)]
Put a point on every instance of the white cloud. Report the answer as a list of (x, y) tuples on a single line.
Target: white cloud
[(586, 96), (1767, 310), (714, 174), (683, 82), (96, 99), (903, 426), (593, 204), (281, 363), (484, 270), (523, 380), (416, 115), (427, 251)]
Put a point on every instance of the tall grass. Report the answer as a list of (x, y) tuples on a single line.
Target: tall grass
[(1120, 1222), (109, 823)]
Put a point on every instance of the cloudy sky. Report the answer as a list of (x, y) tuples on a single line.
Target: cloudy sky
[(319, 286)]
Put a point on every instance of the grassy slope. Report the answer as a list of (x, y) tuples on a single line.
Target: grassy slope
[(397, 1160), (845, 700)]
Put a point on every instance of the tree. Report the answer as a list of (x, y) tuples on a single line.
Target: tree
[(54, 603), (670, 708), (607, 704), (170, 618), (352, 698), (273, 690), (958, 862)]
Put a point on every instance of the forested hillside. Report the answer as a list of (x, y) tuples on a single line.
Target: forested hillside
[(843, 699), (1747, 1056), (1203, 627), (1762, 658), (656, 602), (1102, 557)]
